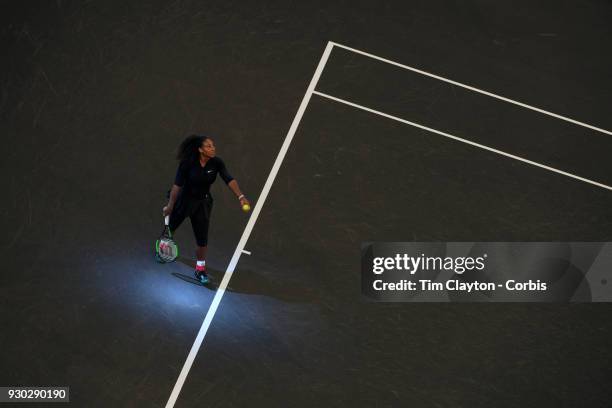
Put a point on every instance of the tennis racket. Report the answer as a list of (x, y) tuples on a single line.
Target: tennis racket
[(166, 249)]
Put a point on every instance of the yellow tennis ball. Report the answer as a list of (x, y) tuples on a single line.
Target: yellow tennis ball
[(246, 208)]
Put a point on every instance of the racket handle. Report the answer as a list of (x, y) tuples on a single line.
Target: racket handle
[(167, 220)]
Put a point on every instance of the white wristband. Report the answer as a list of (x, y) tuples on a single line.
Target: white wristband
[(241, 196)]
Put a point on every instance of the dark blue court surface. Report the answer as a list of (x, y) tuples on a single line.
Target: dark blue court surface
[(95, 98)]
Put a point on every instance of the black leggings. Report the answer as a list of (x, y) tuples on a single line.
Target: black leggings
[(198, 210)]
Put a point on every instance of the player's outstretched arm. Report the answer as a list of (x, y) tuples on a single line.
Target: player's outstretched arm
[(167, 210), (233, 185)]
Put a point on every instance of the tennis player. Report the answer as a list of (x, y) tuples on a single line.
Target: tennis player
[(190, 195)]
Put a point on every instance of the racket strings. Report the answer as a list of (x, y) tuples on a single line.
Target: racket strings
[(168, 250)]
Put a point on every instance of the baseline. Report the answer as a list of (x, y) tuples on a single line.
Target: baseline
[(247, 231)]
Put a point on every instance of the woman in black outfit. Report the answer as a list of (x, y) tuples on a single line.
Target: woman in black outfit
[(190, 195)]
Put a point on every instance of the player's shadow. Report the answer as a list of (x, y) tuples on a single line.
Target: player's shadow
[(251, 283), (189, 279)]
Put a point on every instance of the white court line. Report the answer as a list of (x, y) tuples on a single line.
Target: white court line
[(386, 115), (247, 231), (471, 88), (244, 251)]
